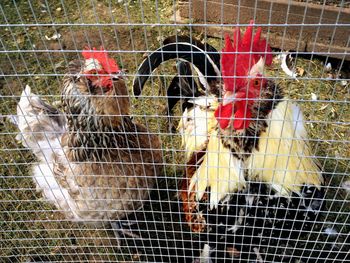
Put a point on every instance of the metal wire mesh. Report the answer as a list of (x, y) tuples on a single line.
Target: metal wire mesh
[(38, 41)]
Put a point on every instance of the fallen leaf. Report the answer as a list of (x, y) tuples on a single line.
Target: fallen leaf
[(324, 107), (313, 96), (300, 71), (20, 40), (333, 113), (60, 64), (343, 83), (54, 36)]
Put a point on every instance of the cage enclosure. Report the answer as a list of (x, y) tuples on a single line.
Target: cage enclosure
[(175, 131)]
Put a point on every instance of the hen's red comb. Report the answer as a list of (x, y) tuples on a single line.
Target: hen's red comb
[(108, 64), (238, 64)]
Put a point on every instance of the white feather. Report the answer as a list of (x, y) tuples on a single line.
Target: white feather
[(205, 254), (284, 66), (207, 102), (196, 123), (298, 121), (46, 145), (92, 64)]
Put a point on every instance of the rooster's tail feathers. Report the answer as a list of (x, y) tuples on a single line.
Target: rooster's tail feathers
[(209, 49), (206, 68), (183, 85)]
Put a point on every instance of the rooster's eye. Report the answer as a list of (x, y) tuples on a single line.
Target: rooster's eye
[(256, 83)]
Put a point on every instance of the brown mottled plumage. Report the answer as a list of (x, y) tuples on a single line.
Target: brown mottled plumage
[(95, 163)]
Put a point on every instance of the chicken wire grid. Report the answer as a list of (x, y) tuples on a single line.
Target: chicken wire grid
[(39, 38)]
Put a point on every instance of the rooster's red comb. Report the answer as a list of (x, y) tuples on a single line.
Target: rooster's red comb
[(238, 64), (108, 64)]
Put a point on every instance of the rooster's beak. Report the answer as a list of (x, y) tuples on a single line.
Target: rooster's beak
[(121, 74), (229, 97)]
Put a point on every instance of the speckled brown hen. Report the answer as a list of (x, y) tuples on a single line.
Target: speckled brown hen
[(95, 164)]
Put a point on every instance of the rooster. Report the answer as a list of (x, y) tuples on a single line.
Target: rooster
[(95, 164), (250, 172)]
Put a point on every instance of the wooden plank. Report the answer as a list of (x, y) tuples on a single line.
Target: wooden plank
[(288, 23)]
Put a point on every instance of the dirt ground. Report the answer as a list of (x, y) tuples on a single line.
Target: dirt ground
[(31, 230)]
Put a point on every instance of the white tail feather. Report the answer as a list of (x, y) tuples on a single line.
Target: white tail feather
[(42, 134)]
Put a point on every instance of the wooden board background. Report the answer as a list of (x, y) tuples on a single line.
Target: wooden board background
[(329, 34)]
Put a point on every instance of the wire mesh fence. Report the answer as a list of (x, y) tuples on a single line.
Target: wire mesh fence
[(111, 155)]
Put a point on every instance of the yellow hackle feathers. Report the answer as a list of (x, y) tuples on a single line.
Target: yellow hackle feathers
[(194, 126), (220, 171), (284, 158)]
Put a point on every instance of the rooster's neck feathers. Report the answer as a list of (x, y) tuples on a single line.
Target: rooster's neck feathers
[(93, 134), (244, 142)]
